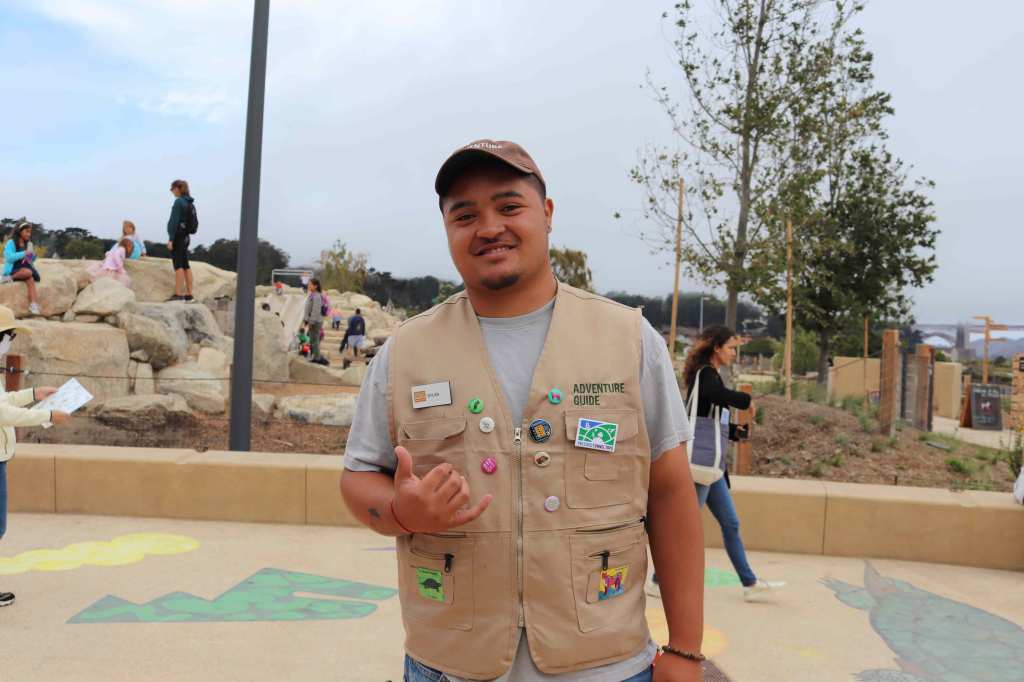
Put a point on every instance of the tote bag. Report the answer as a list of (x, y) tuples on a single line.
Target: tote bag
[(707, 460)]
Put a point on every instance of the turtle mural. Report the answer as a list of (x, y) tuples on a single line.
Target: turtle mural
[(935, 639)]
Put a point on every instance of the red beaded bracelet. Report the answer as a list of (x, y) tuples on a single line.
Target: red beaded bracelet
[(395, 516)]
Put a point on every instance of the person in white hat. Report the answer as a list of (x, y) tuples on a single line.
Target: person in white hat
[(14, 412)]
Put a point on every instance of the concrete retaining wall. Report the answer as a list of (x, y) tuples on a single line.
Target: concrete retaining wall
[(970, 528), (846, 378)]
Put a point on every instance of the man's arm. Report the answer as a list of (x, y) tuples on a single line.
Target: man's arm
[(368, 496), (677, 545)]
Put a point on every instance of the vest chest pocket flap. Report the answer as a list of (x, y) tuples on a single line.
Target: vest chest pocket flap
[(434, 441), (608, 573), (594, 478), (437, 581)]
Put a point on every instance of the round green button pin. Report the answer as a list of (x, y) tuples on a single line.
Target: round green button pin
[(554, 396), (476, 406)]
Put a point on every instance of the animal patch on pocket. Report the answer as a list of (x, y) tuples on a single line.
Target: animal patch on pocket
[(612, 583), (430, 583)]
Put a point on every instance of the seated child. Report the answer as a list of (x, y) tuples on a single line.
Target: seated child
[(113, 264)]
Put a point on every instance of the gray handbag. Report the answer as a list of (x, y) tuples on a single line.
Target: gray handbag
[(706, 452)]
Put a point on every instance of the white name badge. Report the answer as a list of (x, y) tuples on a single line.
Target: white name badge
[(432, 395)]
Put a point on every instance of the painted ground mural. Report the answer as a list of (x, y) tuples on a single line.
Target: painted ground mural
[(270, 594), (935, 639), (122, 550)]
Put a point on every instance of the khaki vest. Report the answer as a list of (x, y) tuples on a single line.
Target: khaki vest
[(562, 549)]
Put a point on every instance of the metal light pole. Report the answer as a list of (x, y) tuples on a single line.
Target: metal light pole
[(240, 437), (700, 324)]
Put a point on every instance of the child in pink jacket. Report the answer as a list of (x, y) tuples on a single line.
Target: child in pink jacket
[(113, 264)]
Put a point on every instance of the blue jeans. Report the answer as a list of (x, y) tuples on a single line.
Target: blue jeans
[(719, 501), (3, 498), (417, 672)]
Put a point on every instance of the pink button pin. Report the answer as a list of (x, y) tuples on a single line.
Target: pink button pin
[(489, 465)]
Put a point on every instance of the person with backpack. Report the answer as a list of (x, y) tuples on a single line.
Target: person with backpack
[(709, 401), (18, 258), (182, 225), (356, 332), (14, 411), (313, 320)]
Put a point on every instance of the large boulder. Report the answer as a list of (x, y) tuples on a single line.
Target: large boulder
[(270, 352), (332, 410), (57, 290), (140, 378), (354, 375), (145, 413), (200, 390), (153, 280), (161, 340), (103, 297), (302, 371), (97, 354), (262, 406)]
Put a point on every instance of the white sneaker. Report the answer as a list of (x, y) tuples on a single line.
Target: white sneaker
[(762, 588), (34, 309), (653, 589), (6, 279)]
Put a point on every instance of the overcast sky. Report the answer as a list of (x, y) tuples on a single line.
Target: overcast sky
[(104, 102)]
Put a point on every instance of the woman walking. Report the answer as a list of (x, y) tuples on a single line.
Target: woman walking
[(313, 320), (18, 257), (716, 347), (178, 236)]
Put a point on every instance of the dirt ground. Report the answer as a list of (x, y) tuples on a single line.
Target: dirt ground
[(802, 439)]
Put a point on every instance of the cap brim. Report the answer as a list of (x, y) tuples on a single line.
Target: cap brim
[(458, 161), (15, 327)]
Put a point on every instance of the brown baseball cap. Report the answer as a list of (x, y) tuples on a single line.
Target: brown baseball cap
[(507, 152)]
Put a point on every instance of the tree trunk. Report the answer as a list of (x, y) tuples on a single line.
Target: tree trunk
[(731, 305), (824, 340)]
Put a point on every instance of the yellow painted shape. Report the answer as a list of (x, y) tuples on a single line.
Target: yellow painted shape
[(124, 549), (714, 644)]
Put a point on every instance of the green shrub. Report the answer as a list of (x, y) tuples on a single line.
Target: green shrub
[(759, 415), (958, 466), (877, 446), (816, 419), (837, 459), (1016, 454), (842, 439), (893, 442), (816, 471)]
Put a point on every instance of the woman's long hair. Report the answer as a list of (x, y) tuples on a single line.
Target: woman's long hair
[(711, 339), (315, 282), (20, 243)]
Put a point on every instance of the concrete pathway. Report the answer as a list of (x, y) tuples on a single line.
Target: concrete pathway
[(1000, 440), (108, 598)]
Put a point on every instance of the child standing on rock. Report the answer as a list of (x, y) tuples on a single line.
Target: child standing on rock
[(13, 412)]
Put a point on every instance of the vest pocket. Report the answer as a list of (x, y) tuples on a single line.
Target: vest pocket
[(437, 581), (591, 476), (608, 574), (434, 441)]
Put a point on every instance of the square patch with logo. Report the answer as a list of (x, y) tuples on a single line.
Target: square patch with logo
[(613, 582), (596, 435), (430, 583)]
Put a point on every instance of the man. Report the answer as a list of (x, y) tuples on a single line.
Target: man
[(540, 436), (356, 332)]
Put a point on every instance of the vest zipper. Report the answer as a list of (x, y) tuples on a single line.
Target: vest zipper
[(517, 442), (448, 558)]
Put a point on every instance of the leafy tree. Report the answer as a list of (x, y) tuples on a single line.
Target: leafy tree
[(739, 78), (89, 248), (805, 353), (570, 267), (342, 269)]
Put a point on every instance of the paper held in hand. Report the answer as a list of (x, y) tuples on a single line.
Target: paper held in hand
[(68, 398)]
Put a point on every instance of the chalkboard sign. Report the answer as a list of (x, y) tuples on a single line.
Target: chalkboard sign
[(986, 407), (1020, 366)]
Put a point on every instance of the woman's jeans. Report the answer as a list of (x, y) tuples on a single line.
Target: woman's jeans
[(719, 501), (3, 498), (314, 339), (417, 672)]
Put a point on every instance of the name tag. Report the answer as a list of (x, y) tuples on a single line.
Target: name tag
[(432, 395), (596, 435)]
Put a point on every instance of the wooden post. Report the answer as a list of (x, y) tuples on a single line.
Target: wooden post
[(679, 259), (989, 328), (888, 406), (744, 461), (925, 358), (865, 368), (1017, 397), (788, 360), (13, 372), (966, 420)]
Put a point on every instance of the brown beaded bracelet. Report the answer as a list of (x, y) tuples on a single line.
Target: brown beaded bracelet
[(696, 658)]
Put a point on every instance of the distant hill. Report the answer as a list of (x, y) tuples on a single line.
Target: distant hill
[(1006, 348)]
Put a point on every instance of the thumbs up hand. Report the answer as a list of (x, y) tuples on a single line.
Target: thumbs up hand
[(434, 503)]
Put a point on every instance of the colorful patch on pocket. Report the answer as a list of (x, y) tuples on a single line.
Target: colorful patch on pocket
[(613, 582), (430, 583), (596, 435)]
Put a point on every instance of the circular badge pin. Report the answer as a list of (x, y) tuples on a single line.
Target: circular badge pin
[(476, 406), (540, 430), (489, 465), (486, 424), (555, 396), (542, 459), (552, 503)]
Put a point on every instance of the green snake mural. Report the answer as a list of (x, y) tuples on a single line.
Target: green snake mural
[(935, 639), (267, 595)]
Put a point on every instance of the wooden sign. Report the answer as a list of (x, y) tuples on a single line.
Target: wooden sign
[(986, 407)]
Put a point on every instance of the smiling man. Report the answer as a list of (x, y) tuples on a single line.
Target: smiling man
[(522, 513)]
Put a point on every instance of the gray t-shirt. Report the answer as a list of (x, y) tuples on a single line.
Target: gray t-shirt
[(514, 345)]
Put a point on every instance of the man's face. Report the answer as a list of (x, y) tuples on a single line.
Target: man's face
[(497, 226)]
